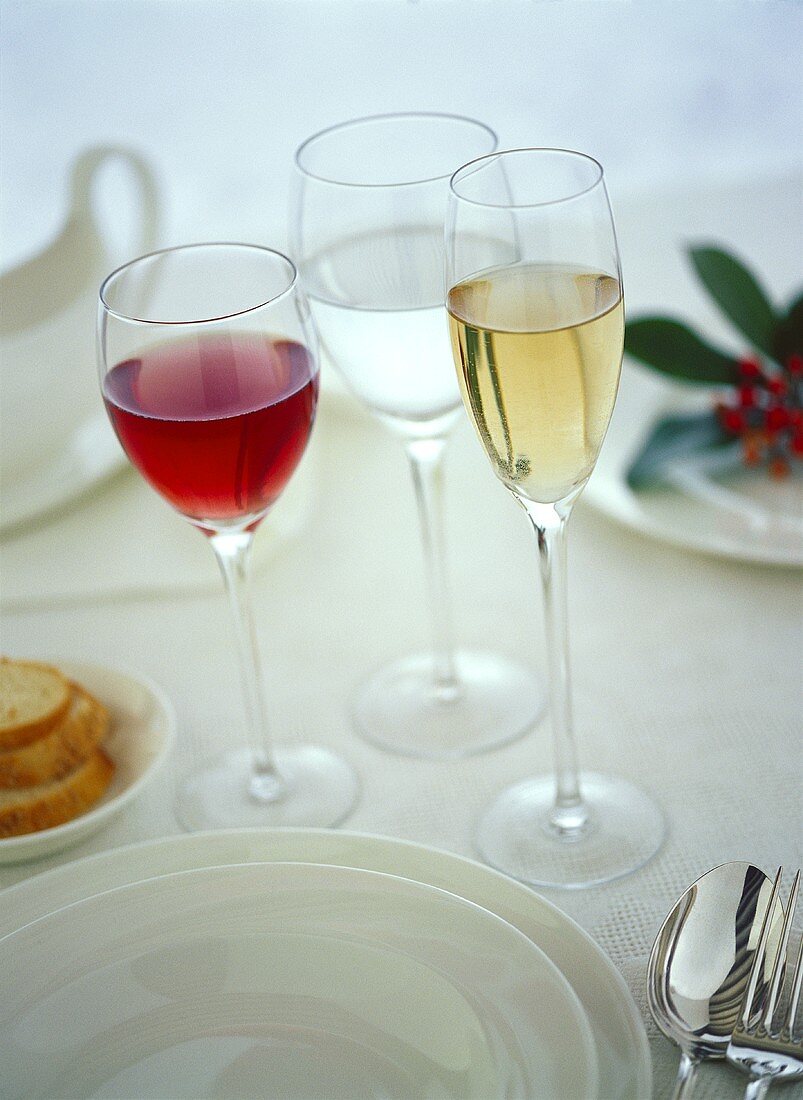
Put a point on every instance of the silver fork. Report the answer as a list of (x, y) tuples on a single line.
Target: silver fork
[(767, 1049)]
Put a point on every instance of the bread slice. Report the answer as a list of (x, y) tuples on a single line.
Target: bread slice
[(50, 757), (34, 698), (42, 807)]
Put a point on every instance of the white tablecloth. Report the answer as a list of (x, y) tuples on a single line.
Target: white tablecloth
[(686, 668)]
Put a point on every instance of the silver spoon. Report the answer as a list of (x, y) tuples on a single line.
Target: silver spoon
[(701, 960)]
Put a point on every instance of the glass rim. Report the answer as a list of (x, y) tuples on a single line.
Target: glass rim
[(477, 162), (386, 117), (230, 245)]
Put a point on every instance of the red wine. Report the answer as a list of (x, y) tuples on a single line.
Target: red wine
[(215, 424)]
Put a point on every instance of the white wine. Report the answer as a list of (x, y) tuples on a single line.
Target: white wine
[(538, 352), (377, 302)]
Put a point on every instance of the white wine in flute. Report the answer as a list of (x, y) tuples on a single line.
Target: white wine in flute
[(537, 327), (539, 351)]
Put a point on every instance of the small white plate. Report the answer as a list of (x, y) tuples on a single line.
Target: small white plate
[(619, 1036), (90, 455), (288, 980), (744, 515), (140, 738)]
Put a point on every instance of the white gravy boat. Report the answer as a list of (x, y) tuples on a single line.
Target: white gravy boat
[(48, 304)]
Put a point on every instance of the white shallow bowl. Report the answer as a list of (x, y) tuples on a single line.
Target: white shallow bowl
[(286, 981), (140, 739), (620, 1039)]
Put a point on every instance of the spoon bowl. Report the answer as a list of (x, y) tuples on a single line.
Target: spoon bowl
[(700, 963)]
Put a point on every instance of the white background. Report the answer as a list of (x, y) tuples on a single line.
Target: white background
[(219, 94)]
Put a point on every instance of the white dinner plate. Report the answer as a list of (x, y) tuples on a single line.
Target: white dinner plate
[(141, 735), (282, 981), (618, 1032), (728, 511), (89, 456)]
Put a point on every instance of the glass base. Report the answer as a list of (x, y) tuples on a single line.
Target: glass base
[(494, 701), (319, 789), (624, 829)]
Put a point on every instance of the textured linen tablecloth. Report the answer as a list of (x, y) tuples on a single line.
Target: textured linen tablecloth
[(687, 670), (686, 676)]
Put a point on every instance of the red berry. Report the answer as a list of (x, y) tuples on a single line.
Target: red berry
[(796, 444), (749, 367), (777, 418), (777, 386), (794, 364), (733, 420), (747, 396)]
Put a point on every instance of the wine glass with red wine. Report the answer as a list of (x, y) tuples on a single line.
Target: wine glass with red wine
[(209, 373)]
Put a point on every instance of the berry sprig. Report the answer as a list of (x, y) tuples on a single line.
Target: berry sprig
[(766, 413), (755, 414)]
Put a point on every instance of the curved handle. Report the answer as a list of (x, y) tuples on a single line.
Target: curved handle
[(84, 169)]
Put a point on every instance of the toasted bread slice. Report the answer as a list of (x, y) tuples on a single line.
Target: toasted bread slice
[(34, 698), (50, 757), (31, 809)]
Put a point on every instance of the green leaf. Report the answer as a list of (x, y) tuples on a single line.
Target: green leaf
[(671, 348), (788, 338), (738, 294), (670, 439)]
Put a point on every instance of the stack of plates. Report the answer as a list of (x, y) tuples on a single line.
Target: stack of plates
[(304, 964)]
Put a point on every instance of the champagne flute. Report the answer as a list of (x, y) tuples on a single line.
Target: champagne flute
[(536, 318), (369, 198), (209, 374)]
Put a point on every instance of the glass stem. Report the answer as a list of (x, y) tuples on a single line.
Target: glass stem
[(233, 553), (426, 464), (569, 814)]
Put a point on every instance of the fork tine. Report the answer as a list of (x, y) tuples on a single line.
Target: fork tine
[(779, 965), (794, 998), (760, 952)]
